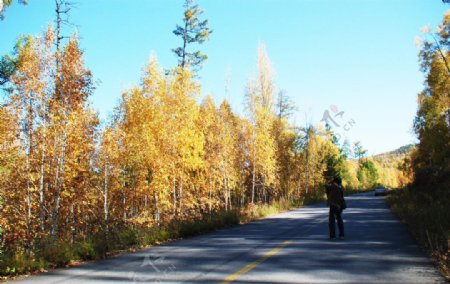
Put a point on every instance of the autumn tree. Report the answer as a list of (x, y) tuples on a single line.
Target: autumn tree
[(12, 210), (107, 161), (29, 101), (74, 134), (315, 154), (55, 143), (432, 122), (144, 162), (260, 92), (220, 129), (231, 164), (163, 142), (187, 142), (210, 124), (285, 138), (308, 158), (406, 173)]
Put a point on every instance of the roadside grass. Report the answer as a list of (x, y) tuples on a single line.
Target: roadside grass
[(428, 218), (46, 253)]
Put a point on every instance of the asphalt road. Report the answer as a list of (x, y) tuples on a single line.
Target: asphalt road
[(292, 247)]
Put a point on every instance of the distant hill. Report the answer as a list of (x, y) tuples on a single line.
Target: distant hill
[(402, 151), (390, 166)]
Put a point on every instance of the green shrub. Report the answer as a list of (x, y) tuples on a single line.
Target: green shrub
[(56, 252), (208, 223), (191, 228), (150, 236), (314, 197), (19, 263), (101, 244), (128, 237), (85, 250), (230, 218)]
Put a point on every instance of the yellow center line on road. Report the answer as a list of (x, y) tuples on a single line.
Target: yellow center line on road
[(252, 265)]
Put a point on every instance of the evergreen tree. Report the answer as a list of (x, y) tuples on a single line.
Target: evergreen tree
[(358, 151), (367, 174), (193, 30)]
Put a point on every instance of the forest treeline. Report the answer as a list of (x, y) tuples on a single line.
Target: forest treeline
[(424, 204), (162, 158)]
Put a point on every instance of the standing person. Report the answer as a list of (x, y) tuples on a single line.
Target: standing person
[(335, 200)]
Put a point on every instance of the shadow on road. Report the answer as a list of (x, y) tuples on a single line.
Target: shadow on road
[(377, 249)]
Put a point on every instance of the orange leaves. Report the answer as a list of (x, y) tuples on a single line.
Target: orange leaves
[(74, 81), (56, 135), (161, 141), (162, 157)]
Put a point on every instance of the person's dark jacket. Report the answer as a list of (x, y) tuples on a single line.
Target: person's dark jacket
[(335, 195)]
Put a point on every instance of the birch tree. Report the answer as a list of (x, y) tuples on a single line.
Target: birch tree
[(260, 93)]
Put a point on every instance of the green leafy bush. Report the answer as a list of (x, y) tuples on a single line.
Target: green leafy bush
[(128, 237), (85, 250), (56, 252), (19, 263)]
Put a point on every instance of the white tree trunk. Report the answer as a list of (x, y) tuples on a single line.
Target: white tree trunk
[(105, 194)]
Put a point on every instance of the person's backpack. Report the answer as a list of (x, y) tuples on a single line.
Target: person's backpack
[(343, 203)]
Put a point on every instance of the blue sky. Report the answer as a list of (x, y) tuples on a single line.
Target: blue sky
[(357, 55)]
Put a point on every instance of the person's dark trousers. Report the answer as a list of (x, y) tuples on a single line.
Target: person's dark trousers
[(335, 214)]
